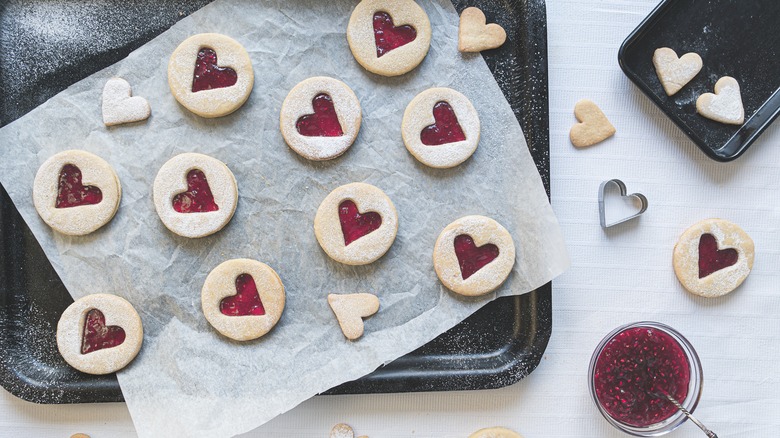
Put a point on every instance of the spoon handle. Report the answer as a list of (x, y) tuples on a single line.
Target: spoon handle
[(704, 429)]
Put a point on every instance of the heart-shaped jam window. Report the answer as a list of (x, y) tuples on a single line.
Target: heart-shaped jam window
[(245, 302), (98, 335), (198, 197), (70, 191), (712, 259), (324, 122), (208, 75), (471, 257), (445, 129), (354, 224), (389, 37)]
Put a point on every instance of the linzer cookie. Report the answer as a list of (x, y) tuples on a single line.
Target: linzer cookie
[(210, 74), (356, 224), (76, 192), (99, 334), (441, 128), (389, 37), (320, 118), (495, 432), (713, 257), (195, 195), (243, 299), (473, 255)]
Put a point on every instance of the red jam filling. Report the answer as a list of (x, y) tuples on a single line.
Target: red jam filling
[(635, 370), (445, 129), (208, 75), (471, 257), (70, 191), (324, 122), (354, 224), (712, 259), (389, 37), (97, 335), (198, 197), (245, 302)]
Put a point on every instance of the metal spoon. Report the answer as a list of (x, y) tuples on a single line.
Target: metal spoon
[(709, 433)]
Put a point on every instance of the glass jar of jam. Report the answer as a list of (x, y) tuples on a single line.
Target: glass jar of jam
[(635, 368)]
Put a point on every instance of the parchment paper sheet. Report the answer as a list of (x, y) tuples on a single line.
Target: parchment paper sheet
[(189, 381)]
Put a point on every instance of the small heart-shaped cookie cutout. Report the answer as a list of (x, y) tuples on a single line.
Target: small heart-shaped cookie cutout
[(475, 35), (594, 127), (673, 72), (725, 105), (119, 106), (350, 309)]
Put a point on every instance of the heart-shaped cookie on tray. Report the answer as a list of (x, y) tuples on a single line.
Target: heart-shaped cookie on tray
[(475, 35), (120, 106), (673, 72), (350, 309), (725, 105)]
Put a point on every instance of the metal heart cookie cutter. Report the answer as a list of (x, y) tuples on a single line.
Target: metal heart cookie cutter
[(602, 207)]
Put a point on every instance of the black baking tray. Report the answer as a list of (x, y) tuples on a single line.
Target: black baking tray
[(497, 346), (737, 38)]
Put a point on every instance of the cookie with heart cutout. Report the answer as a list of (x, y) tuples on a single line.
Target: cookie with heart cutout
[(440, 128), (243, 299), (475, 35), (389, 37), (725, 106), (76, 192), (713, 257), (473, 255), (195, 195), (593, 126), (356, 224), (320, 118), (495, 432), (120, 106), (351, 309), (99, 334), (673, 72), (210, 74)]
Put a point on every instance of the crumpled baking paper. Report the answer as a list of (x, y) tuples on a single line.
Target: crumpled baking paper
[(190, 381)]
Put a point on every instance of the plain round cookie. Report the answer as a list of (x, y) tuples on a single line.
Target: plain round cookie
[(117, 312), (483, 231), (686, 258), (362, 43), (299, 103), (171, 180), (221, 283), (419, 115), (216, 102), (368, 248), (495, 432), (82, 219)]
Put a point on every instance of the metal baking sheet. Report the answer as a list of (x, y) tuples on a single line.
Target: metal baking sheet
[(497, 346), (737, 38)]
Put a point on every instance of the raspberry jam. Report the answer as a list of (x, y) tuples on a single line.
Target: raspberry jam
[(208, 75), (445, 129), (389, 37), (198, 197), (712, 259), (354, 224), (245, 302), (635, 370), (324, 122), (70, 191), (97, 335), (472, 258)]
